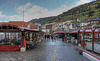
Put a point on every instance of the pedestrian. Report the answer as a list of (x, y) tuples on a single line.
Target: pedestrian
[(48, 36), (45, 37), (57, 36), (52, 37), (62, 37)]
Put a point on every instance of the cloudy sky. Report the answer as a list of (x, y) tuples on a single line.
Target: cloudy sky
[(12, 10)]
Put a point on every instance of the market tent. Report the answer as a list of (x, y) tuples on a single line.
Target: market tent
[(59, 32), (86, 31), (89, 31), (45, 32), (74, 31)]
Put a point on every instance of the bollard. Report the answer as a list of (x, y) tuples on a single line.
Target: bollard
[(23, 49), (79, 45)]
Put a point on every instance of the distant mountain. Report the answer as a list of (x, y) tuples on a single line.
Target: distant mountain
[(43, 20), (82, 12)]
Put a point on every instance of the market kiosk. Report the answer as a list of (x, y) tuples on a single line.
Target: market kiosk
[(13, 37)]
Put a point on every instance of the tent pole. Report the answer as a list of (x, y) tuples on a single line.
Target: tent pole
[(8, 35), (83, 39), (78, 35), (98, 34), (93, 39)]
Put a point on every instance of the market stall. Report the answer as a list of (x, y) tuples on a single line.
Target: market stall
[(13, 37), (61, 34)]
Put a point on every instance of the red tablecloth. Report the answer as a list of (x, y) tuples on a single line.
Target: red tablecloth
[(9, 48)]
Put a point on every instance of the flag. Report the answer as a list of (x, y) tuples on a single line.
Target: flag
[(24, 43)]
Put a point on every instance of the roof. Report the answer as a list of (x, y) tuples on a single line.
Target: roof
[(95, 19), (32, 26), (85, 21), (59, 32), (0, 22), (46, 32), (86, 31), (19, 23), (19, 27), (77, 24), (45, 29)]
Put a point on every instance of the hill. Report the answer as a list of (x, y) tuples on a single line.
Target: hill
[(43, 20), (82, 12)]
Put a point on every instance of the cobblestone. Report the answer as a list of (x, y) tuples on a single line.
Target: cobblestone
[(44, 52)]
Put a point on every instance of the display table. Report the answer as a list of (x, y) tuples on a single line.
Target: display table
[(9, 48)]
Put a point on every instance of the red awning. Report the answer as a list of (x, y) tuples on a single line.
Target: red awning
[(59, 32), (86, 31), (46, 32)]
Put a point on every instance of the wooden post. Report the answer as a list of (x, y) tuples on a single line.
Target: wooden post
[(11, 36), (28, 36), (78, 37), (83, 38), (98, 34), (22, 38), (15, 35), (23, 48), (8, 35), (5, 35), (93, 39)]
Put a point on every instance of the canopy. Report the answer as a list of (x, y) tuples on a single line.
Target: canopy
[(59, 32), (46, 32), (89, 31), (13, 28), (74, 31), (86, 31)]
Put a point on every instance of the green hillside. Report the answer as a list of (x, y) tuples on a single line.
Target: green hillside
[(82, 12)]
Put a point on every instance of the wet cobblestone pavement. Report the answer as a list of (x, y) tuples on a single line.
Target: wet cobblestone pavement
[(46, 51)]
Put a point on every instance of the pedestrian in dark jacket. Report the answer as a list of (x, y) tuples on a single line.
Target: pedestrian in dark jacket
[(45, 37), (52, 37), (62, 37)]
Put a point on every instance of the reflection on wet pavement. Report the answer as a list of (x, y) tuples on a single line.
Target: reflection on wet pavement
[(47, 50)]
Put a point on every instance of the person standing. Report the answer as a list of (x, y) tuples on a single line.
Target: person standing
[(45, 37), (62, 37), (52, 37)]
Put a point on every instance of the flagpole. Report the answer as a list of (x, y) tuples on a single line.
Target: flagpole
[(23, 16)]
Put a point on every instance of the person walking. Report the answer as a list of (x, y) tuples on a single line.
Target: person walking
[(45, 37), (62, 37), (52, 37)]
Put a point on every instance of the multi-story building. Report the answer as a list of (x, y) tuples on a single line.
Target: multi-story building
[(95, 21), (84, 23)]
